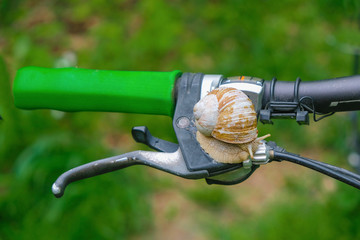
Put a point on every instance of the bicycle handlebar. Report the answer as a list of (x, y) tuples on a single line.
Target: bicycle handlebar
[(332, 95), (75, 89)]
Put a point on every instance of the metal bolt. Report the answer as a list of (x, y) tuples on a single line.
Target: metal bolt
[(182, 122)]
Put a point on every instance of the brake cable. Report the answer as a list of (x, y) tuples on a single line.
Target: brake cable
[(280, 154)]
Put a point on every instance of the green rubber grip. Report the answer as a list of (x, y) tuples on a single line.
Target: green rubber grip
[(76, 89)]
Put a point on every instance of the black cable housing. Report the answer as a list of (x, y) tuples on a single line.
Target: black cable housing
[(340, 174)]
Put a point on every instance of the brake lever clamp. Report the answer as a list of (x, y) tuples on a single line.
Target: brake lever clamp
[(190, 88), (186, 159)]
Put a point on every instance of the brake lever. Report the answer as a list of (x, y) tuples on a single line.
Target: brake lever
[(168, 159), (173, 163), (170, 162)]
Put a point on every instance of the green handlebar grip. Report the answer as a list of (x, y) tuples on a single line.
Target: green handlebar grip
[(76, 89)]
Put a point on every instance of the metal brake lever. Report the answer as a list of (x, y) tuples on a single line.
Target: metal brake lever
[(169, 159), (168, 162)]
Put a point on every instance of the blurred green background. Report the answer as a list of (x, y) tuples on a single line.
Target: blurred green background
[(286, 39)]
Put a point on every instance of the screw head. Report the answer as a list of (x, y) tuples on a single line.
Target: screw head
[(182, 122)]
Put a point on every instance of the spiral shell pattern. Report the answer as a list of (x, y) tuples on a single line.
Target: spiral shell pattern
[(228, 115)]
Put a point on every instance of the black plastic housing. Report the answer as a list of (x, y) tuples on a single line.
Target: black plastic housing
[(188, 94)]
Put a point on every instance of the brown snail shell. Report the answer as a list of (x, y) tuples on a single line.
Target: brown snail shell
[(227, 125), (228, 115)]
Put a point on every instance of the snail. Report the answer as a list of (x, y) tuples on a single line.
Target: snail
[(227, 125)]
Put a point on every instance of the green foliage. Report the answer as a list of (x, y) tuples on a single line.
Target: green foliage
[(298, 217), (82, 212), (213, 198), (286, 39)]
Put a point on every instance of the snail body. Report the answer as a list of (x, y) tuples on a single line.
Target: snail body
[(227, 125)]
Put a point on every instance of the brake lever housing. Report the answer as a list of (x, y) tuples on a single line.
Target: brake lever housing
[(191, 88)]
